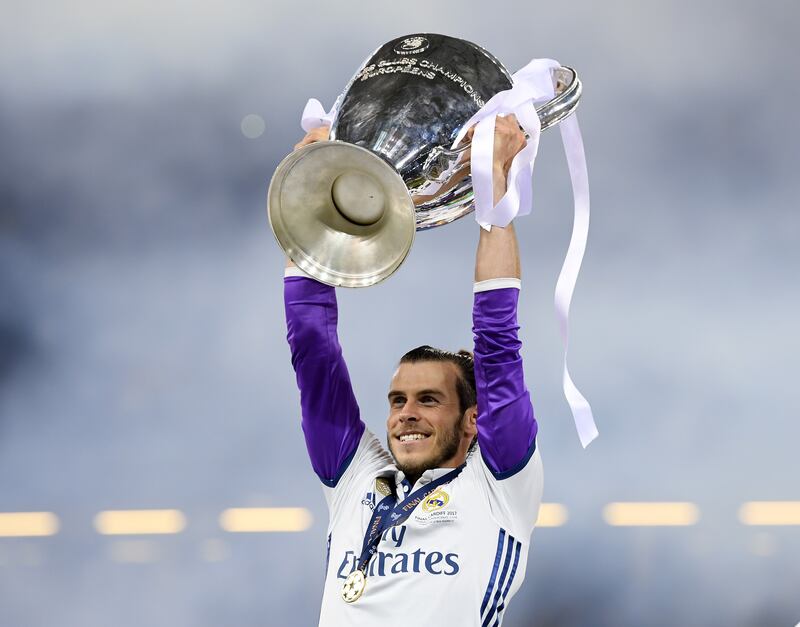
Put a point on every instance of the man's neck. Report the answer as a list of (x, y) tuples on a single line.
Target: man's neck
[(412, 479)]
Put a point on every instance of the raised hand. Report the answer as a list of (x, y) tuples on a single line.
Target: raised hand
[(319, 134), (509, 139)]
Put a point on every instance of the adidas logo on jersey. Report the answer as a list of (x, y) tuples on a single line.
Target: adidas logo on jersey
[(369, 500)]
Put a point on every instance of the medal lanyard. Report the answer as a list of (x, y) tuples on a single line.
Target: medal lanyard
[(386, 516)]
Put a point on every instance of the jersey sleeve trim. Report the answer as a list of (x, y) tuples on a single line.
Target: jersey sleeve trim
[(514, 469), (495, 597), (496, 284)]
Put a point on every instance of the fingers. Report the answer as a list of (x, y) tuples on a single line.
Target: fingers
[(314, 135), (510, 118), (506, 126), (509, 140), (509, 135)]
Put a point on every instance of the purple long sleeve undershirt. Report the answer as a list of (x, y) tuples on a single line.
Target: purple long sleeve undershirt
[(330, 416), (506, 425), (331, 420)]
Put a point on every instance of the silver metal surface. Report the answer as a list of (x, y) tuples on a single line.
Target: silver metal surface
[(345, 210), (323, 239), (446, 194)]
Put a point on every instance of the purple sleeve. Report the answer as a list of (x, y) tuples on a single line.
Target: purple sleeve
[(331, 422), (506, 425)]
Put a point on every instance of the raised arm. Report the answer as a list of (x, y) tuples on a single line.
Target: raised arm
[(506, 424), (331, 421)]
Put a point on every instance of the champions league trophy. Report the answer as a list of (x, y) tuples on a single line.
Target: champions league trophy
[(345, 211)]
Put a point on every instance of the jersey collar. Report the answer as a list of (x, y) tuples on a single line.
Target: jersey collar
[(402, 486)]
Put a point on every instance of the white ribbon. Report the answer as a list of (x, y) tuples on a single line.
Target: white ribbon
[(531, 84), (314, 115), (565, 286)]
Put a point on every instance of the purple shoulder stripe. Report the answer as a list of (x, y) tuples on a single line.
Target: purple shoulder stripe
[(506, 425), (331, 421)]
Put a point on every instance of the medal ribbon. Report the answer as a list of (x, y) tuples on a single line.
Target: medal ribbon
[(389, 514)]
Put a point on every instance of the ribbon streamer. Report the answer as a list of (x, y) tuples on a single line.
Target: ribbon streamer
[(565, 286)]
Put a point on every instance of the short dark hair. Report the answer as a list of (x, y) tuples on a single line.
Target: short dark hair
[(463, 360)]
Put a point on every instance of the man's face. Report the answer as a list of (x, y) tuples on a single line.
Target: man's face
[(425, 428)]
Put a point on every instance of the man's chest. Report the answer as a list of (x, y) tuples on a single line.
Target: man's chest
[(450, 527)]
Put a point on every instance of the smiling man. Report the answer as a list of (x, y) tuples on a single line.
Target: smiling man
[(438, 531), (432, 413)]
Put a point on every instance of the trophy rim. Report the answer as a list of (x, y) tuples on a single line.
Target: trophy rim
[(399, 223)]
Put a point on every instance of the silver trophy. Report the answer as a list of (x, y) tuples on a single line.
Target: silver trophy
[(345, 211)]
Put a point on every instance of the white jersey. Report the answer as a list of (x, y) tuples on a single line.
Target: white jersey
[(461, 555)]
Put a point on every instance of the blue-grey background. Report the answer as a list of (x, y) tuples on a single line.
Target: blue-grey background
[(142, 354)]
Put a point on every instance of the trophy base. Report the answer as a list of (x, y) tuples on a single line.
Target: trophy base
[(341, 213)]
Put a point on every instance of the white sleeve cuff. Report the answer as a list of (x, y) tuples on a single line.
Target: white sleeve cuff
[(295, 271), (496, 284)]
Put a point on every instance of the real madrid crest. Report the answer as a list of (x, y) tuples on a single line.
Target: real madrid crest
[(436, 500), (354, 586)]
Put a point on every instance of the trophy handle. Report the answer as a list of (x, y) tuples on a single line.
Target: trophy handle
[(568, 94), (439, 164)]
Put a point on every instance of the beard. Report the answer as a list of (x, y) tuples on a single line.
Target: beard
[(449, 442)]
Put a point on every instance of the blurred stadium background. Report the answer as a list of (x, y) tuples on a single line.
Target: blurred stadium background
[(152, 470)]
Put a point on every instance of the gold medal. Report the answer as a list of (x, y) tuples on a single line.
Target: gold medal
[(354, 586)]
